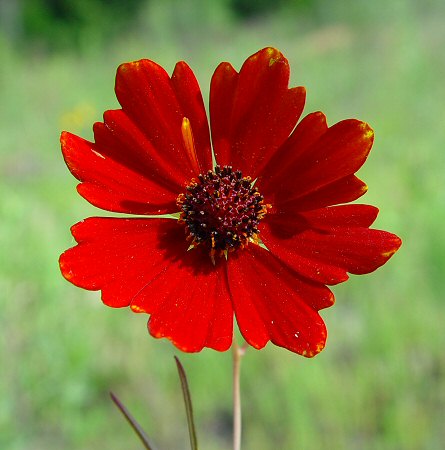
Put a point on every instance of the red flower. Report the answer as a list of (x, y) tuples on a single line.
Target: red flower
[(263, 250)]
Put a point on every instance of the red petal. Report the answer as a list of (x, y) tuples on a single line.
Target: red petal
[(354, 215), (158, 104), (252, 113), (326, 257), (306, 133), (358, 250), (345, 190), (120, 256), (190, 304), (110, 184), (288, 222), (189, 96), (144, 263), (272, 303), (337, 154), (120, 139)]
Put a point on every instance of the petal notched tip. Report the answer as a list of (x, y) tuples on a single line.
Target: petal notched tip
[(224, 68), (269, 54), (368, 132), (221, 343), (361, 131), (315, 343), (310, 353), (179, 344), (64, 268), (267, 59), (253, 340), (63, 138), (364, 134), (396, 244), (136, 74), (66, 140), (132, 65)]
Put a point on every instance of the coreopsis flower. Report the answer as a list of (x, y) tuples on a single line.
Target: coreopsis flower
[(257, 235)]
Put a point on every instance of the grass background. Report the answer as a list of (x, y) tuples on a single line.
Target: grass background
[(379, 384)]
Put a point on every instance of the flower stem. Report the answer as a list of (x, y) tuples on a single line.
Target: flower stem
[(237, 353)]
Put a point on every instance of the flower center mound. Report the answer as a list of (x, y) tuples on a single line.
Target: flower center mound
[(222, 210)]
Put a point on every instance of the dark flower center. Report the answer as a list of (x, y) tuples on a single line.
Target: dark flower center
[(222, 210)]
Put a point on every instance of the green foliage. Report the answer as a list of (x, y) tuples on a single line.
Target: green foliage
[(248, 8), (59, 24), (82, 24), (380, 382)]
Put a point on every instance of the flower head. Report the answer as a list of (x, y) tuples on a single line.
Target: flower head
[(259, 235)]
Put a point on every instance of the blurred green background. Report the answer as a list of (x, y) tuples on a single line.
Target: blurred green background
[(379, 384)]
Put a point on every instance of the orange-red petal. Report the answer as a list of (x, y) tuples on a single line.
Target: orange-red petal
[(326, 254), (144, 263), (253, 112), (157, 104), (140, 162), (332, 156), (190, 304), (272, 303), (112, 184)]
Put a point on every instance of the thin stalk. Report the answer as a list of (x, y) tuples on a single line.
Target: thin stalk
[(188, 405), (237, 354), (132, 421)]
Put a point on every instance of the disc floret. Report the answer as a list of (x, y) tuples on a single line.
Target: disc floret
[(222, 210)]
